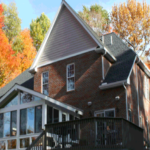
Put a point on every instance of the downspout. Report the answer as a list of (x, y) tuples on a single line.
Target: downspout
[(126, 100), (137, 92), (103, 76)]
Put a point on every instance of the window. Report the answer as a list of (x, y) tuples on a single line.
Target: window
[(141, 120), (105, 113), (13, 102), (45, 83), (12, 144), (1, 125), (26, 98), (24, 143), (13, 129), (38, 119), (70, 77), (8, 124), (146, 86), (52, 115), (31, 120), (2, 145)]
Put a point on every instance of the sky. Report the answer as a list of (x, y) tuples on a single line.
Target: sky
[(31, 9)]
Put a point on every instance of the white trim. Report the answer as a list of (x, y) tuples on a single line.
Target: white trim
[(69, 56), (45, 40), (103, 76), (104, 110), (112, 85), (44, 97), (51, 28), (128, 79), (42, 81), (70, 77)]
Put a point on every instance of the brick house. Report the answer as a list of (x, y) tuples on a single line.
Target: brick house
[(76, 74)]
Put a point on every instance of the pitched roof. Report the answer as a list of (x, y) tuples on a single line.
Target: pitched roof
[(120, 70), (83, 24), (25, 79), (53, 102)]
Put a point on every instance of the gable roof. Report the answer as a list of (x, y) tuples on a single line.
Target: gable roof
[(120, 71), (25, 79), (53, 102), (82, 23)]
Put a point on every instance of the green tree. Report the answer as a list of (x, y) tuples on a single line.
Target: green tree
[(12, 23), (38, 29), (96, 17)]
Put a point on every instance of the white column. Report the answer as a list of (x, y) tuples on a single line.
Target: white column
[(60, 116)]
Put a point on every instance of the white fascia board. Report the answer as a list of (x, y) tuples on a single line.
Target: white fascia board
[(32, 68), (128, 79), (77, 17), (141, 64), (112, 85), (69, 56), (44, 97)]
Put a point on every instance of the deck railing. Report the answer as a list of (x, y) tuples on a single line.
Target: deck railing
[(93, 133)]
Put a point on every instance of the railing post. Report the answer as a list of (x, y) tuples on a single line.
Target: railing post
[(122, 134), (95, 131), (44, 141)]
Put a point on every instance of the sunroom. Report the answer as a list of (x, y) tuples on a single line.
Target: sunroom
[(24, 113)]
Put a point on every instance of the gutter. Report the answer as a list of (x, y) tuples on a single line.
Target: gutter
[(126, 98), (114, 84), (106, 53)]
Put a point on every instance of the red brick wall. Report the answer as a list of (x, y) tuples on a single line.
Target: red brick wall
[(135, 90), (88, 76)]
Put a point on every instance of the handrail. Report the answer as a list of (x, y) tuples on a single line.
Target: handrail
[(37, 139)]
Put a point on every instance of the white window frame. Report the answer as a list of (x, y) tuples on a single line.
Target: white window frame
[(146, 87), (46, 83), (70, 77), (140, 120), (104, 110)]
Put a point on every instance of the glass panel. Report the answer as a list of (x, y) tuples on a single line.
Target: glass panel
[(24, 143), (23, 121), (45, 89), (13, 123), (6, 124), (30, 120), (100, 115), (56, 116), (38, 119), (2, 145), (71, 70), (12, 144), (63, 117), (71, 117), (1, 125), (26, 98), (110, 113), (71, 84), (45, 78), (13, 102), (49, 114)]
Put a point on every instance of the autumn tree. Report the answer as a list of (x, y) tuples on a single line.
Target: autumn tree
[(12, 23), (38, 29), (28, 52), (131, 20), (96, 17), (7, 58)]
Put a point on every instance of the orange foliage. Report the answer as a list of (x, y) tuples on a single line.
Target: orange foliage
[(25, 58), (7, 58)]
